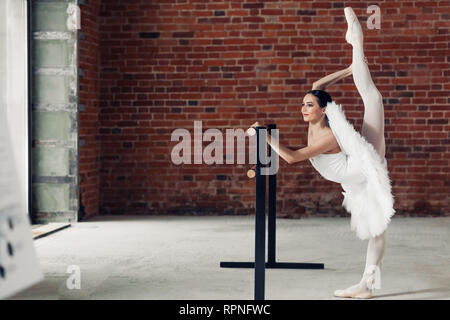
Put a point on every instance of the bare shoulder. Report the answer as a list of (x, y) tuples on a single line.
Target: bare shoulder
[(329, 135), (325, 139), (324, 134), (329, 132)]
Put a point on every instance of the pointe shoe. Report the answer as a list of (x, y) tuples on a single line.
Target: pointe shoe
[(354, 34), (364, 289), (347, 293), (342, 294), (372, 282), (367, 294)]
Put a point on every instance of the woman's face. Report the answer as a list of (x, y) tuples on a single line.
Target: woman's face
[(311, 110)]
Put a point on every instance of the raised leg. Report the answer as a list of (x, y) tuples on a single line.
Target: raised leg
[(373, 121)]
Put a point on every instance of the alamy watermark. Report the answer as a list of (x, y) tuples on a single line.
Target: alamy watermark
[(214, 152), (74, 280), (374, 20)]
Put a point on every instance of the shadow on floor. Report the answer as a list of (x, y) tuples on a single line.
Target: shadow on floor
[(414, 292)]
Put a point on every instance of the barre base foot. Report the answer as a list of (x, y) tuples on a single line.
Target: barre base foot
[(274, 265)]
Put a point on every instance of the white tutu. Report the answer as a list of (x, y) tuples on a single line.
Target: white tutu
[(364, 178)]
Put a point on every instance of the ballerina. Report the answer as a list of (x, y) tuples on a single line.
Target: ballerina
[(358, 163)]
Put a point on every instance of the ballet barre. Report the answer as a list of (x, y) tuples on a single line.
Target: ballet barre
[(260, 221)]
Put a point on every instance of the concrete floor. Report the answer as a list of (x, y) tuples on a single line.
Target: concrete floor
[(123, 257)]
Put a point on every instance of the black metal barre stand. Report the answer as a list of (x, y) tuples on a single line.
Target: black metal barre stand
[(260, 226)]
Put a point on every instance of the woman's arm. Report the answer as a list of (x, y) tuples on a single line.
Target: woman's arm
[(284, 152), (293, 148), (330, 79), (322, 145)]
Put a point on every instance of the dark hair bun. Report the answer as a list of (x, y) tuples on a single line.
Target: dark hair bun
[(323, 97)]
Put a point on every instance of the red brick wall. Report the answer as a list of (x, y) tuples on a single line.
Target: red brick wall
[(232, 63), (89, 62)]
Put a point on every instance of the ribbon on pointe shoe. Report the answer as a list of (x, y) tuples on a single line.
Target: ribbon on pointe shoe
[(374, 279)]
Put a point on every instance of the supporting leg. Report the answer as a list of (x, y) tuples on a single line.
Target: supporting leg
[(375, 250), (372, 273)]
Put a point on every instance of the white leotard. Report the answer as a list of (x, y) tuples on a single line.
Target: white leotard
[(338, 167), (362, 174)]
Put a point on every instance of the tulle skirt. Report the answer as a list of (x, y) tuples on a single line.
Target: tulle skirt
[(370, 202), (369, 218)]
